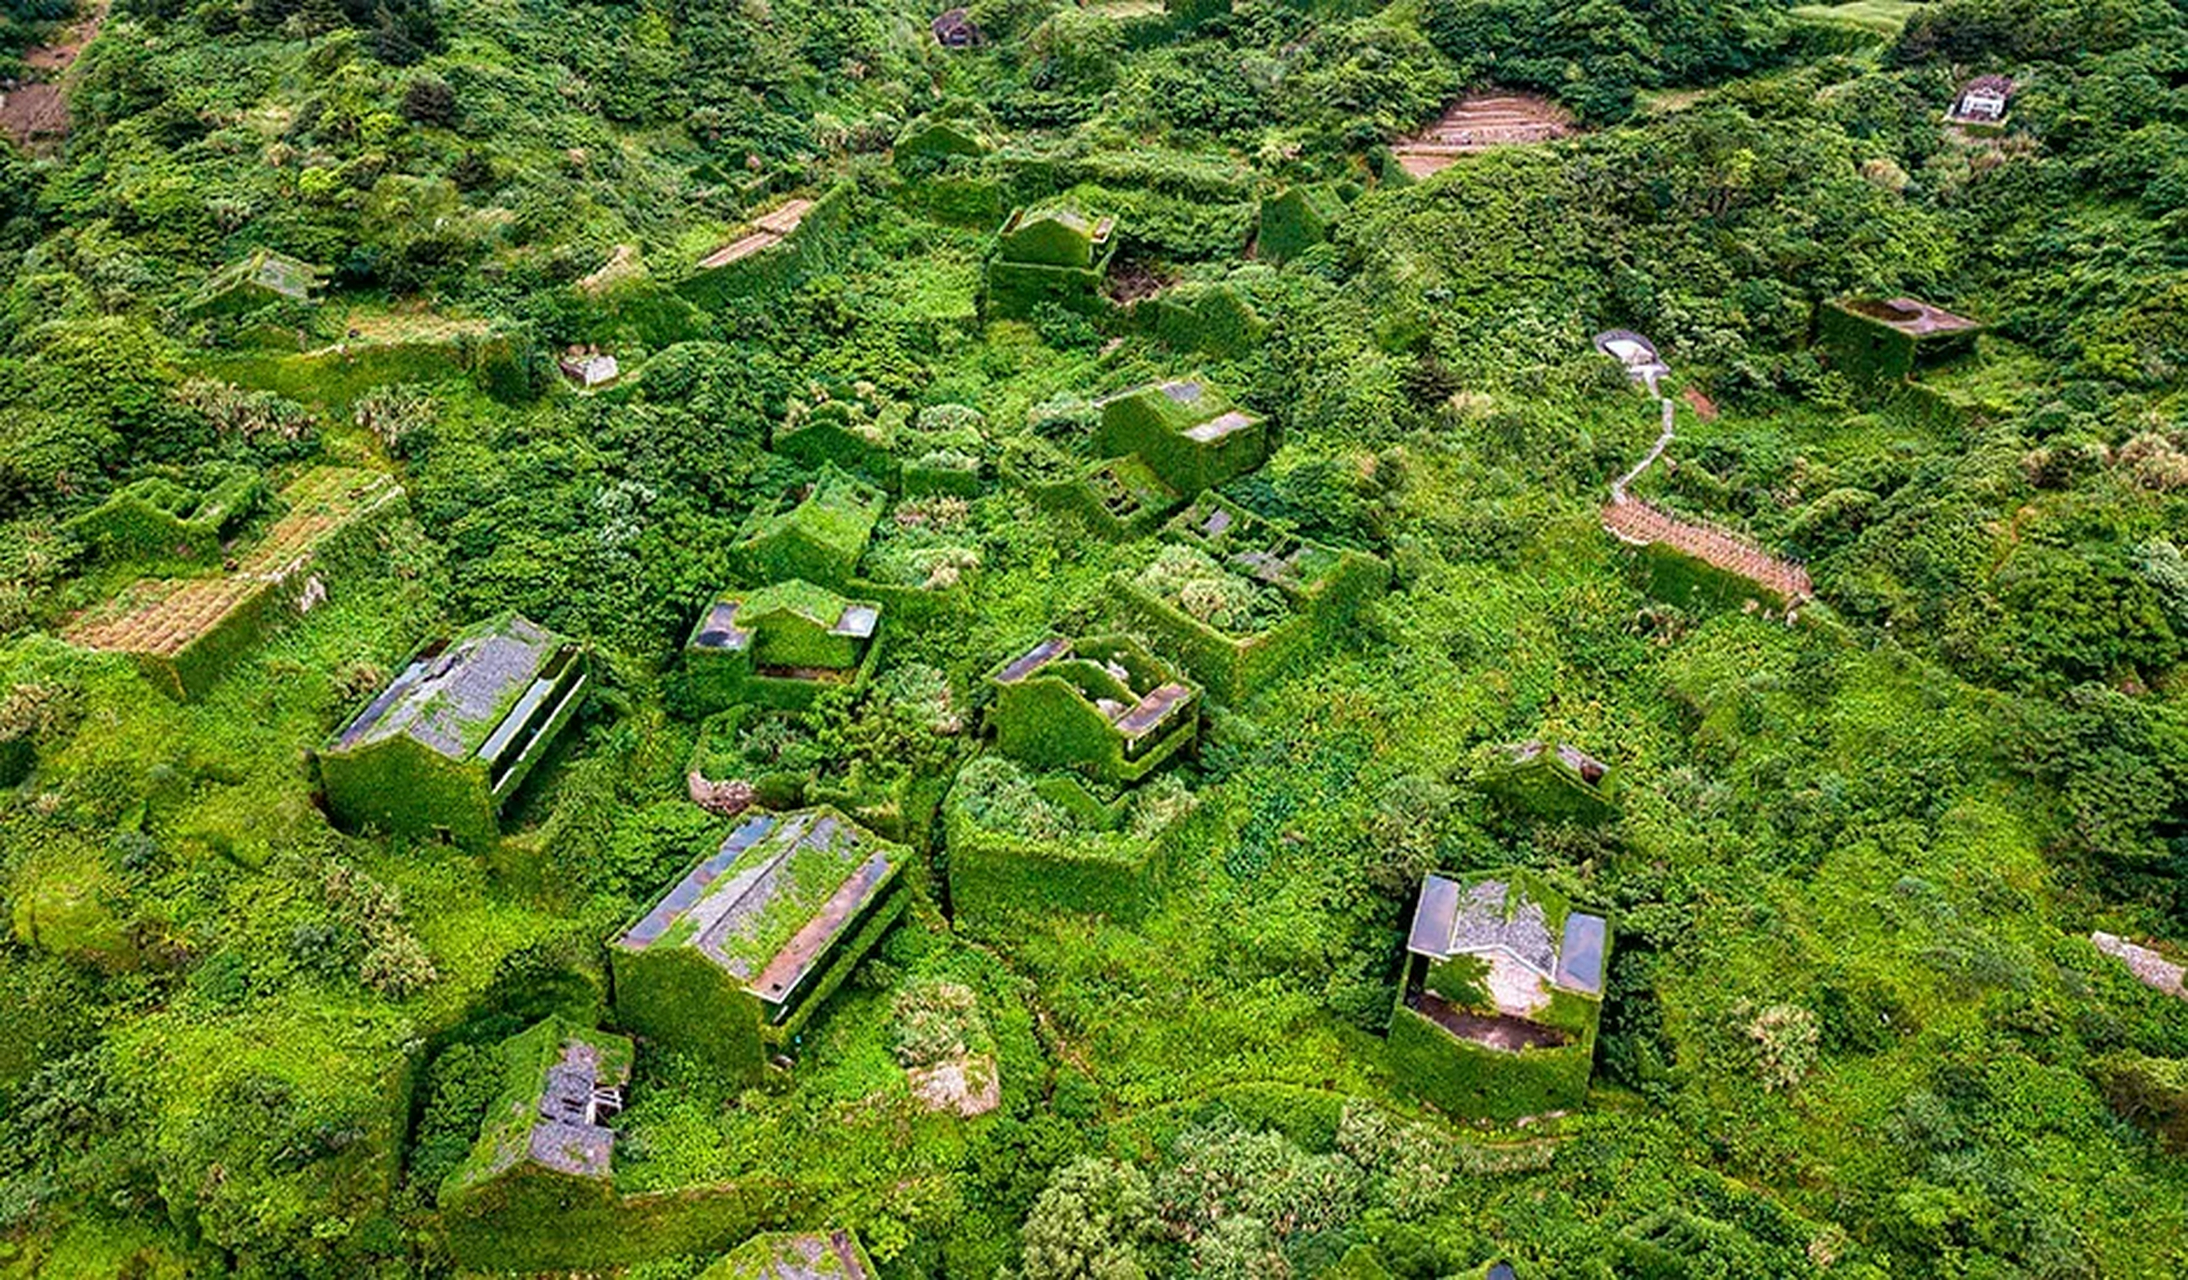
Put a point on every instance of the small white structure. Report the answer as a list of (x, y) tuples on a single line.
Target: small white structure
[(1636, 353), (1982, 100), (589, 369)]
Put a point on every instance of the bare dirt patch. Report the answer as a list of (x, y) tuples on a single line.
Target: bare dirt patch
[(36, 112), (1491, 1030), (966, 1086), (1478, 122), (1131, 279)]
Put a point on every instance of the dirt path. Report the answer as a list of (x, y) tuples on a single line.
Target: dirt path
[(36, 112)]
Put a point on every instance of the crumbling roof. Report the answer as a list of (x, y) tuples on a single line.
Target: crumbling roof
[(464, 698), (564, 1081), (804, 1255), (729, 624), (1911, 316), (1455, 918), (773, 900)]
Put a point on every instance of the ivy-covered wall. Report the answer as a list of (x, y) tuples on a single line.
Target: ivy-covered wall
[(819, 242), (536, 1224), (1547, 787), (1468, 1080), (1117, 498), (714, 680), (401, 785), (159, 519), (1048, 719), (1295, 221), (1151, 426), (1214, 319), (684, 1002), (1870, 350), (819, 540), (1230, 666), (998, 879)]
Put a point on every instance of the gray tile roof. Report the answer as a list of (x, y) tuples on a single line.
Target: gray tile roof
[(1453, 919), (726, 915), (453, 698)]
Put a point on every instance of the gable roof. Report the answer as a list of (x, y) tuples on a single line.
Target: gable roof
[(838, 512), (769, 904), (459, 700)]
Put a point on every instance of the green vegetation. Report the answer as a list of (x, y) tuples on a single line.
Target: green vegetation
[(281, 321)]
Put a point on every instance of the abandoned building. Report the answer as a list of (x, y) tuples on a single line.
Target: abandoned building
[(1554, 781), (1102, 706), (1189, 434), (1890, 339), (444, 746), (795, 1255), (730, 962), (1320, 587), (1055, 254), (259, 279), (588, 368), (1982, 101), (954, 29), (779, 646), (185, 632), (817, 533), (1502, 994), (549, 1129)]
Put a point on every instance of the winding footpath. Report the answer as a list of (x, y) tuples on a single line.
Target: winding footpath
[(1631, 520)]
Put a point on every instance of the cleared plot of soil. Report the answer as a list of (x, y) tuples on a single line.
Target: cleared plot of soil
[(1493, 1030), (38, 111), (1482, 122), (162, 616)]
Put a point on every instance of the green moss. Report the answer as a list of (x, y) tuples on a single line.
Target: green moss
[(1158, 423), (817, 535), (1295, 220)]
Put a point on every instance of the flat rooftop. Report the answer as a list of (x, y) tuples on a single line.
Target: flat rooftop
[(1911, 316)]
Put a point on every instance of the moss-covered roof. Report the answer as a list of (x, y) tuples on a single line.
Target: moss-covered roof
[(771, 902), (838, 512), (802, 1255), (518, 1124), (451, 698)]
